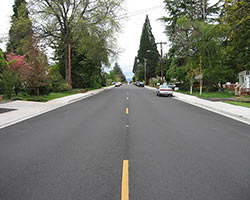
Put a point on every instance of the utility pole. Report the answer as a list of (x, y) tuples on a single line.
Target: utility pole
[(201, 59), (69, 49), (204, 10), (145, 71), (161, 60)]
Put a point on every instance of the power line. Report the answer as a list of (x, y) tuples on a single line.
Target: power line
[(219, 25), (143, 10), (138, 12), (227, 31), (226, 19)]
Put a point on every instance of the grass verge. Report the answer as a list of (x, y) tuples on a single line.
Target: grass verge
[(23, 96), (210, 94), (225, 97), (42, 98), (237, 103)]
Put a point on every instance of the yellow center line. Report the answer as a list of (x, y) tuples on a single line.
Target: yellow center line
[(127, 111), (125, 181)]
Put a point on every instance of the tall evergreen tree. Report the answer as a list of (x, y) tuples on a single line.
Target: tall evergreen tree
[(118, 71), (20, 33), (147, 50)]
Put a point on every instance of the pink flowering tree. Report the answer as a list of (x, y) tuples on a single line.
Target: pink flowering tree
[(17, 67)]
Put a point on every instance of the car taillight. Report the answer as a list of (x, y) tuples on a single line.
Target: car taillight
[(166, 90)]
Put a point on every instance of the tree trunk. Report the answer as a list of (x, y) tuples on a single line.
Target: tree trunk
[(66, 56), (16, 91), (38, 91), (69, 64), (201, 83), (191, 87)]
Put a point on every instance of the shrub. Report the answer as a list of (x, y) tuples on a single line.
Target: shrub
[(57, 83), (64, 86), (209, 88), (8, 83)]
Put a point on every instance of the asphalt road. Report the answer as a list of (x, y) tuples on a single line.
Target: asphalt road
[(176, 151)]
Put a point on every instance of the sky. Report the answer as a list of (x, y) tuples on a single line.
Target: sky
[(128, 38), (5, 13)]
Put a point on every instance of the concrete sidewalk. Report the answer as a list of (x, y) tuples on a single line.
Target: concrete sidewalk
[(27, 109), (239, 113)]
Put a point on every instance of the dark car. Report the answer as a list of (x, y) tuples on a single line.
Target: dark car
[(141, 84), (171, 86)]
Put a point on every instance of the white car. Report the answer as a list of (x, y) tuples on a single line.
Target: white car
[(118, 84), (164, 90)]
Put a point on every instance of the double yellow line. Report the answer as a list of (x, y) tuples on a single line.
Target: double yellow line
[(125, 174)]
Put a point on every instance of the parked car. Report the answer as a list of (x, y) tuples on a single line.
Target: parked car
[(164, 90), (118, 84), (172, 86), (141, 84)]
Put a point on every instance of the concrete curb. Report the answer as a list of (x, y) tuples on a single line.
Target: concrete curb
[(28, 117), (150, 88), (218, 111), (210, 108), (92, 93)]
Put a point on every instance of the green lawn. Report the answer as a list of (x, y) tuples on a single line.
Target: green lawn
[(42, 98), (237, 103), (210, 94)]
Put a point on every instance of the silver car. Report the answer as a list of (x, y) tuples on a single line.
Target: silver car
[(164, 90)]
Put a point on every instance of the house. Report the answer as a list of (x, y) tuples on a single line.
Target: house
[(243, 88)]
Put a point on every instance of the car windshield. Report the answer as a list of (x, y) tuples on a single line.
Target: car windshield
[(164, 87)]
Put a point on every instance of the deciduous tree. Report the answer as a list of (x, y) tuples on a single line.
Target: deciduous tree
[(236, 34), (36, 74), (66, 19)]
